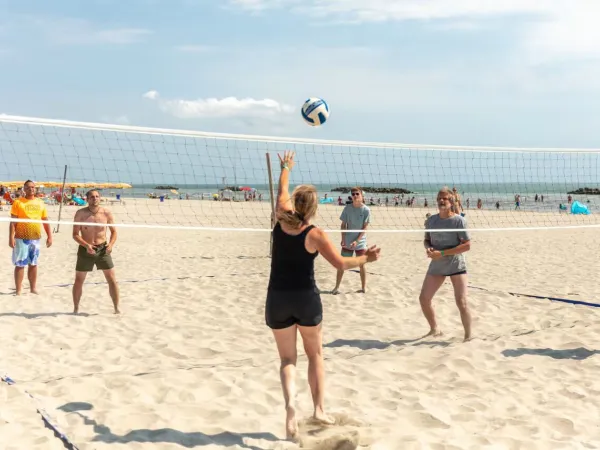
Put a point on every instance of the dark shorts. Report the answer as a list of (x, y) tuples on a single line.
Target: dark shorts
[(462, 272), (346, 252), (287, 308), (101, 259)]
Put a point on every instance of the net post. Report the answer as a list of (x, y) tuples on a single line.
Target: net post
[(272, 197), (62, 199)]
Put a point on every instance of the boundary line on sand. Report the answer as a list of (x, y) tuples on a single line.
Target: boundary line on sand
[(49, 422)]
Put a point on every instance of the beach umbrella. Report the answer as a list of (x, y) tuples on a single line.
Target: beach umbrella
[(245, 188)]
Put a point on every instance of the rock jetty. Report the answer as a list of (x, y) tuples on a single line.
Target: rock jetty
[(165, 187), (585, 191), (375, 190)]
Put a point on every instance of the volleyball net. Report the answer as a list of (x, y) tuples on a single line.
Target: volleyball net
[(152, 177)]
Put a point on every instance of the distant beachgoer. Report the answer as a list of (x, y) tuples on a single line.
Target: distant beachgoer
[(457, 206), (468, 203), (517, 202), (93, 249), (24, 237), (293, 301), (446, 250), (498, 205), (479, 203)]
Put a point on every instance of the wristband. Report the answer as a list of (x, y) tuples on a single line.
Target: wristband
[(442, 252), (285, 166)]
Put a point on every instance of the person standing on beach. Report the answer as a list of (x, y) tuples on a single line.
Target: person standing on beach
[(446, 250), (457, 206), (93, 248), (355, 216), (293, 301), (24, 238)]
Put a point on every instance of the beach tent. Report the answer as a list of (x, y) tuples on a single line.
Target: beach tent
[(579, 208)]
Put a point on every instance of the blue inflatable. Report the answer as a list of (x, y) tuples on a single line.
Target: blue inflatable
[(326, 200), (579, 208)]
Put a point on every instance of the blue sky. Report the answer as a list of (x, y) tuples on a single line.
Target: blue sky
[(466, 72), (462, 72)]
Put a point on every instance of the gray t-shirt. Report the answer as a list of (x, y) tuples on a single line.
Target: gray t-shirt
[(355, 218), (447, 265)]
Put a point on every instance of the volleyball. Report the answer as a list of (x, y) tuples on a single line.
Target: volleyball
[(315, 111)]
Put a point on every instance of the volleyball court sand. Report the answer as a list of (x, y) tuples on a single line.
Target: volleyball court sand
[(190, 363)]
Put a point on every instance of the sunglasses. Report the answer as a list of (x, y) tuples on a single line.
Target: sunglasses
[(355, 194)]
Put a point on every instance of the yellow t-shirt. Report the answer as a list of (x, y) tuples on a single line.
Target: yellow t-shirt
[(34, 209)]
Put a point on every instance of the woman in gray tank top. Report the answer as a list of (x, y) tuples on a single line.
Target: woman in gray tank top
[(446, 250)]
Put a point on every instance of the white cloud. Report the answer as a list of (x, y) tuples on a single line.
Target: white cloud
[(554, 29), (152, 95), (195, 48), (220, 108), (384, 10)]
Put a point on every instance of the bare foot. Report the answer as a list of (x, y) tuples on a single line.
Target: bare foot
[(117, 311), (291, 424), (468, 338), (361, 291), (322, 418), (76, 311), (17, 292), (335, 291), (34, 291), (436, 332)]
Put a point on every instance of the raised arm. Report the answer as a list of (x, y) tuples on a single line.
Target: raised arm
[(283, 194)]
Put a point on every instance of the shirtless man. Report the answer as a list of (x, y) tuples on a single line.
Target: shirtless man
[(93, 248)]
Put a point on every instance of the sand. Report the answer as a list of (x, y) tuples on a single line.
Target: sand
[(190, 363)]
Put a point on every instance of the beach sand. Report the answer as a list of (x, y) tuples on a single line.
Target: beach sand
[(191, 364)]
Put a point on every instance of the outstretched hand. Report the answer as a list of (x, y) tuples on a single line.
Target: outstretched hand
[(373, 253), (287, 160)]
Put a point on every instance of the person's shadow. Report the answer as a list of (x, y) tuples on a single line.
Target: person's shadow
[(166, 435), (374, 344), (48, 314), (577, 354)]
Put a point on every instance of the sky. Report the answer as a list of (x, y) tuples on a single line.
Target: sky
[(464, 72)]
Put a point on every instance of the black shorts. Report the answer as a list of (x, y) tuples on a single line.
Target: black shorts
[(287, 308), (462, 272), (100, 259)]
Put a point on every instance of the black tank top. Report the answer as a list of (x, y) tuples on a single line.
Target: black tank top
[(292, 267)]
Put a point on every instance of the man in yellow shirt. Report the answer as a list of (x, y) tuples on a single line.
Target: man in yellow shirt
[(24, 238)]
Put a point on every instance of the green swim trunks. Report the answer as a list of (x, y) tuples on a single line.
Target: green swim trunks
[(100, 259)]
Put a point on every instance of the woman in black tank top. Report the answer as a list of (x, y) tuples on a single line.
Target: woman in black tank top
[(293, 300)]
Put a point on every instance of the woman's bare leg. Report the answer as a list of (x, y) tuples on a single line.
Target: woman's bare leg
[(312, 337), (286, 345), (431, 284), (459, 283)]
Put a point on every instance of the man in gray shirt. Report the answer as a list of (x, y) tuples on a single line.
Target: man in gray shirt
[(355, 216), (446, 250)]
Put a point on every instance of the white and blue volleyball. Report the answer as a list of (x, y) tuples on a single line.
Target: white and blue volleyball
[(315, 111)]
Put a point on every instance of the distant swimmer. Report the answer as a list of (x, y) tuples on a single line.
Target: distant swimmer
[(446, 250), (293, 301), (93, 248)]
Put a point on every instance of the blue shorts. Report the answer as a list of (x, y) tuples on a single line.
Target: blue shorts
[(26, 252)]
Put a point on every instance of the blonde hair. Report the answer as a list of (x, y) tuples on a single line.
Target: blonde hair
[(446, 190), (304, 206)]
